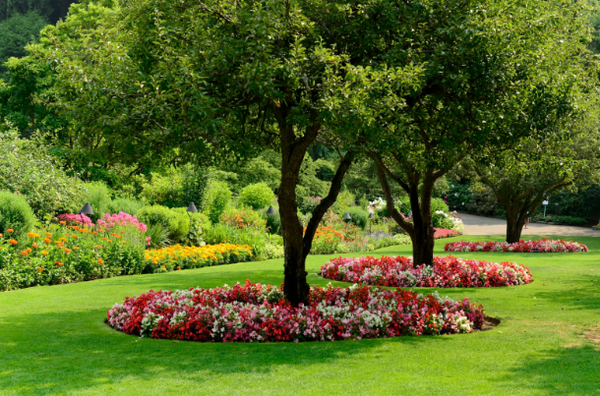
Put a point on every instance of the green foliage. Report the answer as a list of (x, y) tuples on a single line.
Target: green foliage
[(15, 214), (98, 195), (176, 187), (27, 168), (256, 196), (16, 32), (176, 223), (259, 170), (126, 205), (159, 236), (273, 221), (557, 219), (199, 224), (439, 204), (345, 200), (359, 216), (243, 218), (217, 200)]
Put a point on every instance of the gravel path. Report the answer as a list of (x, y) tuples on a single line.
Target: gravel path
[(478, 225)]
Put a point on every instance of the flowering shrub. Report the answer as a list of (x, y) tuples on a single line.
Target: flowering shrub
[(326, 240), (76, 219), (243, 218), (450, 221), (259, 313), (446, 272), (64, 254), (183, 257), (541, 246), (444, 233), (122, 219)]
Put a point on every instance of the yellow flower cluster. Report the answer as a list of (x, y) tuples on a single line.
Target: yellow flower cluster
[(181, 257)]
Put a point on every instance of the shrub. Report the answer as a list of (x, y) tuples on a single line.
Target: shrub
[(41, 179), (159, 236), (273, 222), (177, 224), (243, 218), (176, 187), (359, 216), (126, 205), (98, 195), (15, 214), (199, 223), (256, 196), (217, 199)]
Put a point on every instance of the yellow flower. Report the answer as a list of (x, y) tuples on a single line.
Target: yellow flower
[(44, 252)]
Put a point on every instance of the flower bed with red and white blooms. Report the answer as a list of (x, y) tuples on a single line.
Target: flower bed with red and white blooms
[(259, 313), (541, 246), (444, 233), (445, 272)]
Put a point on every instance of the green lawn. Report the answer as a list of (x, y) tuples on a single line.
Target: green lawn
[(53, 340)]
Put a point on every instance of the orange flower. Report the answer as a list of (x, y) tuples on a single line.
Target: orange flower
[(44, 252), (94, 232), (12, 241), (32, 235), (177, 268), (24, 252), (113, 233), (63, 222), (10, 230), (40, 269), (1, 235), (67, 250), (47, 240), (100, 261), (58, 263), (35, 245), (75, 247), (122, 231)]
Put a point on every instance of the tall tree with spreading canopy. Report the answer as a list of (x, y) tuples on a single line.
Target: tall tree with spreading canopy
[(217, 77), (493, 72)]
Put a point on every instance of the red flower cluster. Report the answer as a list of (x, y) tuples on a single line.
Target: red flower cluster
[(541, 246), (444, 233), (446, 272), (259, 313)]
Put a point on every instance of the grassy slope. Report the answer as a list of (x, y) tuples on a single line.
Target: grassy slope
[(53, 341)]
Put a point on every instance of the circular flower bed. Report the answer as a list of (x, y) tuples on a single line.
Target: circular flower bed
[(541, 246), (259, 313), (445, 272)]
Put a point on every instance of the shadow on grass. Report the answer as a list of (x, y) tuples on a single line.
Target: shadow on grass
[(564, 371), (76, 351)]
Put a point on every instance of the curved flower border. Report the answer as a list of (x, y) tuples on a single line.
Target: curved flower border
[(259, 313), (446, 272), (539, 246)]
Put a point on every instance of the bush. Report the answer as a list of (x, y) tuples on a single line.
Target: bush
[(15, 214), (218, 197), (359, 216), (561, 220), (177, 224), (243, 218), (40, 179), (273, 222), (98, 195), (199, 223), (176, 187), (256, 196), (124, 205)]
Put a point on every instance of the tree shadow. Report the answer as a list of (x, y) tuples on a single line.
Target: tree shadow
[(562, 371), (68, 352)]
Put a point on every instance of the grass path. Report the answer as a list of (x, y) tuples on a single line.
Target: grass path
[(53, 340)]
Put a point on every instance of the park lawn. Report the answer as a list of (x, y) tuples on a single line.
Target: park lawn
[(53, 340)]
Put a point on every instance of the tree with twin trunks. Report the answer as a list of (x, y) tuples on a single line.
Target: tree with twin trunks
[(493, 72)]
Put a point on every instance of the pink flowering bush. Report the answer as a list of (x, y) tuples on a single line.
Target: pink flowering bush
[(123, 219), (444, 233), (541, 246), (445, 272), (76, 219), (259, 313)]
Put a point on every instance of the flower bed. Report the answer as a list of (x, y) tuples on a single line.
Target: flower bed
[(259, 313), (446, 272), (444, 233), (541, 246), (183, 257)]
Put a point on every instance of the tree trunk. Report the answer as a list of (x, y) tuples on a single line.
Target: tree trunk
[(422, 239), (514, 225)]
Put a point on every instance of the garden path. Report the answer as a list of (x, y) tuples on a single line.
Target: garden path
[(478, 225)]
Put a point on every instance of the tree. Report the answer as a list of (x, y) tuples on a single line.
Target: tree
[(222, 77), (16, 32), (483, 67), (522, 178)]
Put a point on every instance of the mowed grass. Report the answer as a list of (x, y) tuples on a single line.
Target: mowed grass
[(53, 340)]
